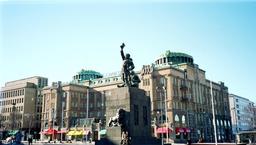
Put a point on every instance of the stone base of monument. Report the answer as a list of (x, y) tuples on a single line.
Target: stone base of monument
[(137, 116), (114, 135)]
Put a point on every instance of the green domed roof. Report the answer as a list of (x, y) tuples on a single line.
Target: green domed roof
[(83, 71), (168, 53), (174, 58), (86, 75)]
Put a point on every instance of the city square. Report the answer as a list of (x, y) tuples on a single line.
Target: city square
[(129, 93)]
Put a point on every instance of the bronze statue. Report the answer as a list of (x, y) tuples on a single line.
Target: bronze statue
[(118, 120), (130, 79), (135, 80)]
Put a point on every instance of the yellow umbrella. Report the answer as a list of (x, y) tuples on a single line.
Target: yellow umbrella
[(75, 133), (78, 132), (70, 133)]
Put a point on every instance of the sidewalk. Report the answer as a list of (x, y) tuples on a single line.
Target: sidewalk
[(58, 142)]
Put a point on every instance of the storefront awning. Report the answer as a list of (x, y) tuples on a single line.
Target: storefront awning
[(181, 130), (187, 130), (12, 132), (62, 131), (49, 131), (75, 132), (43, 132), (163, 130), (103, 132)]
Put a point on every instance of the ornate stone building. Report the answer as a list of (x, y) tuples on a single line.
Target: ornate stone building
[(179, 88), (180, 98)]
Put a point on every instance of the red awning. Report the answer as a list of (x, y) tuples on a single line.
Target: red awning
[(187, 130), (49, 131), (62, 131), (43, 132), (179, 130), (163, 130)]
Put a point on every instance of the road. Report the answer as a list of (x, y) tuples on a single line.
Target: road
[(43, 143)]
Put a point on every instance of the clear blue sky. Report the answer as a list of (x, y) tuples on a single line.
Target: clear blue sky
[(56, 39)]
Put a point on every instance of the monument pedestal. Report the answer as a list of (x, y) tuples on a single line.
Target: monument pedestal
[(137, 116)]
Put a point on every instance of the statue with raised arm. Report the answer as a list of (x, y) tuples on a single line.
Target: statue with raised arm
[(127, 68)]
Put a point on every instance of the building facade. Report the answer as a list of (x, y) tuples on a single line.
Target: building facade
[(180, 98), (242, 113), (20, 104), (73, 103)]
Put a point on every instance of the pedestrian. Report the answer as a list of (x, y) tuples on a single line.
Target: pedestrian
[(200, 140), (30, 139), (189, 142), (18, 137)]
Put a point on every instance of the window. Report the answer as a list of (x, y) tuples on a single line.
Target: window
[(183, 119), (145, 116), (136, 115), (176, 118)]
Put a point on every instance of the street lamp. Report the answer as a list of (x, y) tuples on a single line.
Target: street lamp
[(161, 112), (30, 119), (13, 115), (166, 118), (87, 111), (62, 114), (53, 116), (213, 114), (235, 118)]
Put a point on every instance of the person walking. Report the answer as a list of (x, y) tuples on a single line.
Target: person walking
[(18, 137), (30, 139)]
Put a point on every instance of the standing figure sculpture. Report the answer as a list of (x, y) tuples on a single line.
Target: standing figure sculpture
[(127, 69)]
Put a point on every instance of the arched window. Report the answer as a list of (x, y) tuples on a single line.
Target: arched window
[(176, 118), (183, 119)]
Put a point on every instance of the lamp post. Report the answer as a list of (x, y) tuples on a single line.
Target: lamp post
[(30, 119), (236, 122), (53, 116), (166, 118), (62, 114), (213, 114), (161, 112), (13, 115), (87, 111)]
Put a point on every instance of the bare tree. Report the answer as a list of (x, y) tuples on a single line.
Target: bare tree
[(30, 121)]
